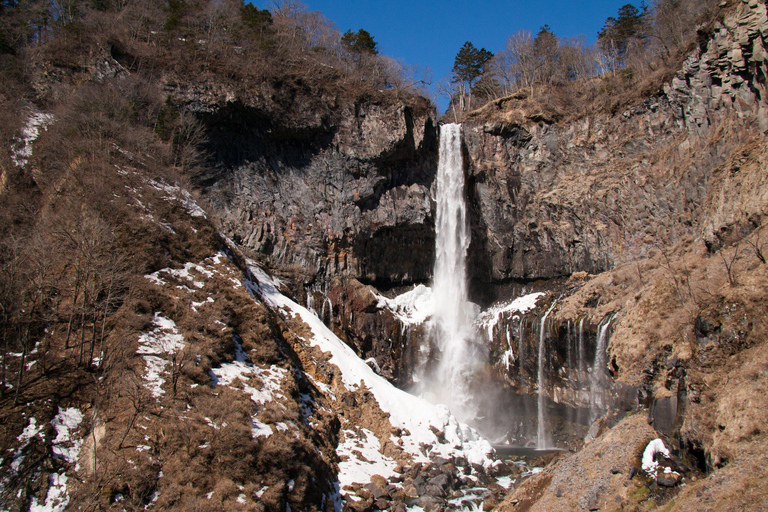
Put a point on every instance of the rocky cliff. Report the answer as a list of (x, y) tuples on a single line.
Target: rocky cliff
[(551, 198), (323, 187)]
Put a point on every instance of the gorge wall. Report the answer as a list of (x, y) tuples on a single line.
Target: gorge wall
[(552, 198), (324, 187), (630, 214), (337, 194)]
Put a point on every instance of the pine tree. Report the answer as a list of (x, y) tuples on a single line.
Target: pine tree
[(469, 64), (468, 68), (618, 33), (546, 54), (359, 42), (255, 18)]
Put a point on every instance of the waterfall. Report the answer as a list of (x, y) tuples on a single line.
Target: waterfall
[(327, 303), (521, 353), (599, 370), (569, 340), (453, 314), (582, 360), (541, 437)]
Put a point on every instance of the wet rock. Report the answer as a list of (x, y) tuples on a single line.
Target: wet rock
[(668, 479), (377, 490), (364, 505), (431, 504)]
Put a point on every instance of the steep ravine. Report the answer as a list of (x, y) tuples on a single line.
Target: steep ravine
[(651, 216)]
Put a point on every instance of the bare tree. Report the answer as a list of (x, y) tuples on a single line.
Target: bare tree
[(757, 247), (730, 263), (515, 66)]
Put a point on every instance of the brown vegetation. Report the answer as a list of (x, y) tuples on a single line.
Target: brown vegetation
[(575, 79)]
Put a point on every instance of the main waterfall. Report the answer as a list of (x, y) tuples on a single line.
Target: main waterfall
[(448, 380)]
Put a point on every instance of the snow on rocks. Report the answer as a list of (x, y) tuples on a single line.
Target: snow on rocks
[(489, 318), (193, 273), (413, 307), (22, 150), (57, 498), (159, 347), (66, 423), (64, 447), (249, 375), (361, 458), (650, 454), (428, 430), (29, 432)]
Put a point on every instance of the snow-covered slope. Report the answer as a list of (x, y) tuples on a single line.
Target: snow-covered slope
[(422, 423)]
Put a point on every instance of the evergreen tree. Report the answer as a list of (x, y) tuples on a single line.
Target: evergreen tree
[(255, 18), (618, 33), (468, 68), (359, 42), (546, 53), (469, 64)]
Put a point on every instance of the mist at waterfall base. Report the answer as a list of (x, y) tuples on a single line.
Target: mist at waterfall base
[(455, 360)]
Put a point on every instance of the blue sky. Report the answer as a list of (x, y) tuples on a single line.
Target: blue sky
[(429, 33)]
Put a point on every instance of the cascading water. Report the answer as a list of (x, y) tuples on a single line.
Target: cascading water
[(542, 440), (582, 359), (599, 371), (453, 315)]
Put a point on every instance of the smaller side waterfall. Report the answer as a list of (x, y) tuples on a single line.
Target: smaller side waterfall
[(582, 359), (542, 441), (599, 371)]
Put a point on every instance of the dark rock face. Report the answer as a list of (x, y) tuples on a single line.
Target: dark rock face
[(551, 199), (341, 192)]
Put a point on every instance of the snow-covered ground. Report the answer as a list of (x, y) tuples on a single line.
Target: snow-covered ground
[(22, 150), (65, 446), (356, 469), (159, 347), (244, 372), (417, 418)]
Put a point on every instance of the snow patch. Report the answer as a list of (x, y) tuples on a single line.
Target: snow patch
[(66, 422), (361, 458), (413, 307), (177, 193), (57, 499), (649, 456), (22, 149), (488, 319), (163, 342), (29, 432), (249, 375)]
